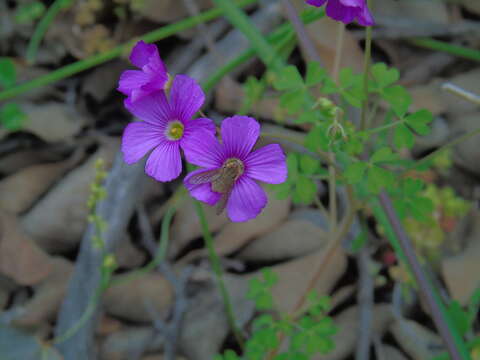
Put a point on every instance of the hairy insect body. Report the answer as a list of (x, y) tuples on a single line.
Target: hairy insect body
[(222, 180)]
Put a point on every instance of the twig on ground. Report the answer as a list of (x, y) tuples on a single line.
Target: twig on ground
[(465, 94), (122, 186), (169, 329), (365, 303)]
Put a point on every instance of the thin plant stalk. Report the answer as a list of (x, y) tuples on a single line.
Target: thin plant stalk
[(366, 71), (437, 45), (452, 339), (42, 27), (217, 269)]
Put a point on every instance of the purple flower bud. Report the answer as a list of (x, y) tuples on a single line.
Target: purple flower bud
[(346, 11)]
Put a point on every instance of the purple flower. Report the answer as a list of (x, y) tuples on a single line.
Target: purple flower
[(166, 127), (152, 77), (229, 169), (346, 10)]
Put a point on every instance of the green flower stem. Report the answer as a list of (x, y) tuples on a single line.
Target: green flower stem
[(444, 324), (217, 269), (42, 28), (241, 21), (95, 60), (457, 50), (381, 128), (366, 71)]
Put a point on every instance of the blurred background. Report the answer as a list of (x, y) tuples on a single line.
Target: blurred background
[(69, 55)]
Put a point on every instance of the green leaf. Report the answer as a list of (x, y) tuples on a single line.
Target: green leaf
[(293, 101), (399, 98), (418, 121), (292, 164), (288, 79), (329, 87), (379, 178), (308, 117), (315, 73), (29, 12), (359, 241), (355, 172), (7, 72), (308, 165), (459, 316), (317, 139), (383, 75), (382, 155), (346, 77), (12, 117), (305, 190), (403, 137), (253, 89)]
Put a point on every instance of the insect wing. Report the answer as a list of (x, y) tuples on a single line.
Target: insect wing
[(205, 177), (222, 203)]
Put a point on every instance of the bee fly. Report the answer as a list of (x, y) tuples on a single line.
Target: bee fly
[(222, 180)]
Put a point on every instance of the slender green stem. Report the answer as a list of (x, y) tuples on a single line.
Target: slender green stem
[(444, 324), (366, 71), (95, 60), (382, 128), (447, 146), (217, 269), (457, 50), (241, 21), (42, 28), (332, 193), (338, 50)]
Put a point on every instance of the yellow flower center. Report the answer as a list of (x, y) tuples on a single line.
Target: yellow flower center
[(175, 130)]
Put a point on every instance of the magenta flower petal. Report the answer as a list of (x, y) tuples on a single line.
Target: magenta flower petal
[(346, 11), (204, 150), (239, 135), (267, 164), (131, 79), (365, 18), (186, 97), (316, 3), (199, 124), (246, 200), (153, 108), (138, 139), (337, 11), (144, 54), (151, 77), (165, 163), (202, 192)]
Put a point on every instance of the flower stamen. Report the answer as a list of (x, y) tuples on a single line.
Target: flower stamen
[(174, 130)]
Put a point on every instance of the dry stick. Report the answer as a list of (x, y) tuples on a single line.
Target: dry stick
[(122, 185), (365, 303), (420, 276), (457, 90)]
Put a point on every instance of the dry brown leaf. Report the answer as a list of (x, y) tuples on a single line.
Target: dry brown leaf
[(58, 220), (53, 121), (392, 353), (462, 272), (417, 341), (127, 255), (294, 277), (18, 192), (345, 339), (48, 295), (291, 239), (207, 316), (168, 10), (120, 344), (467, 153), (186, 226), (431, 11), (131, 299), (108, 325), (20, 258)]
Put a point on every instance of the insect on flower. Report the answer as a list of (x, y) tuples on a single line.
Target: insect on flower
[(346, 11), (230, 169)]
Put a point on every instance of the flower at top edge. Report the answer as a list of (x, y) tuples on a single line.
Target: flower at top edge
[(167, 126), (151, 77), (346, 11), (230, 170)]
